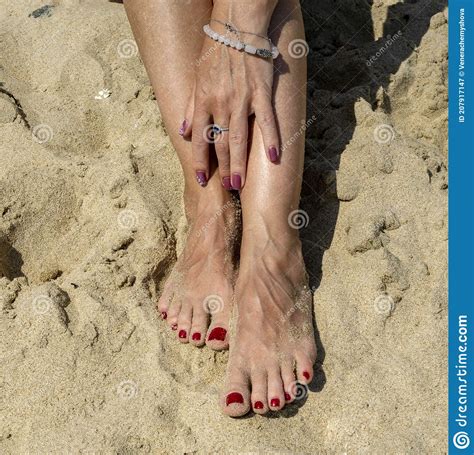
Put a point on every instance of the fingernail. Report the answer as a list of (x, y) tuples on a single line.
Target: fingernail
[(306, 375), (275, 403), (217, 333), (196, 336), (273, 154), (226, 183), (164, 315), (236, 181), (287, 397), (201, 178), (183, 127), (234, 397), (258, 405), (174, 326), (182, 334)]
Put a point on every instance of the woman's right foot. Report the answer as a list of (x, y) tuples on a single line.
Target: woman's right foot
[(197, 298)]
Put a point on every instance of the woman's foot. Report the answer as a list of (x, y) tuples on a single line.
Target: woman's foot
[(273, 348), (197, 298)]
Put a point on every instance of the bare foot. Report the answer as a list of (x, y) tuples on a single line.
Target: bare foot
[(273, 349), (197, 297)]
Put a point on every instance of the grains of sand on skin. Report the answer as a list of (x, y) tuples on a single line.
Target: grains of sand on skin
[(44, 11)]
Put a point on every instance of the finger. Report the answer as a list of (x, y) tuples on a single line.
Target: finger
[(238, 145), (221, 145), (265, 117), (186, 126), (200, 145)]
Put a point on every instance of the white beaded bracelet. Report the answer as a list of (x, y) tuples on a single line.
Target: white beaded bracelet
[(240, 45)]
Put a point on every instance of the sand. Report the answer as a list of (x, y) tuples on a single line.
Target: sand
[(91, 220)]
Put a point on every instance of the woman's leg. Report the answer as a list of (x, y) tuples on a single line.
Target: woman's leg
[(169, 36), (274, 333)]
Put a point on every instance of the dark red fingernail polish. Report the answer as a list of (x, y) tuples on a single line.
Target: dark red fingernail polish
[(164, 315), (182, 334), (226, 183), (258, 405), (306, 375), (217, 333), (201, 178), (183, 127), (196, 336), (275, 403), (273, 154), (234, 397), (287, 396), (174, 326), (236, 181)]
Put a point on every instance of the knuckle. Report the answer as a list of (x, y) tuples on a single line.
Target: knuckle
[(267, 118)]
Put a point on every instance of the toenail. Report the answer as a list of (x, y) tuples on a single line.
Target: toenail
[(234, 397), (275, 403), (174, 326), (164, 315), (182, 334), (306, 375), (287, 396), (217, 333), (196, 336), (236, 180), (258, 405)]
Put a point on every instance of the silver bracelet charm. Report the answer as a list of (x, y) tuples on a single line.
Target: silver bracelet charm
[(240, 45)]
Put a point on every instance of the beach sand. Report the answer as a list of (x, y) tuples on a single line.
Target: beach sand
[(91, 222)]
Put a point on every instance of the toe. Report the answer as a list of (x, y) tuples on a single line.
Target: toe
[(197, 334), (235, 401), (164, 302), (289, 381), (259, 397), (184, 323), (276, 395), (173, 314), (304, 368), (218, 333)]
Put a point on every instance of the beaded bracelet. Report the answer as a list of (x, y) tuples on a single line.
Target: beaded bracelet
[(240, 45)]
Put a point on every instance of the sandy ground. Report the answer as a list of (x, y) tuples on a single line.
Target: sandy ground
[(91, 221)]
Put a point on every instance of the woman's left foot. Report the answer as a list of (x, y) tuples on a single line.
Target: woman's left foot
[(273, 349)]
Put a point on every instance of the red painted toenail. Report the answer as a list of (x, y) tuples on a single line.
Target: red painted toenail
[(217, 333), (182, 334), (164, 315), (196, 336), (258, 405), (234, 397), (306, 375), (287, 397), (174, 326), (275, 403)]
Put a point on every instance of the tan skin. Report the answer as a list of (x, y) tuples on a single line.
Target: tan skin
[(273, 343)]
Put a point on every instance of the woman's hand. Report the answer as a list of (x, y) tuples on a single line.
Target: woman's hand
[(232, 85)]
